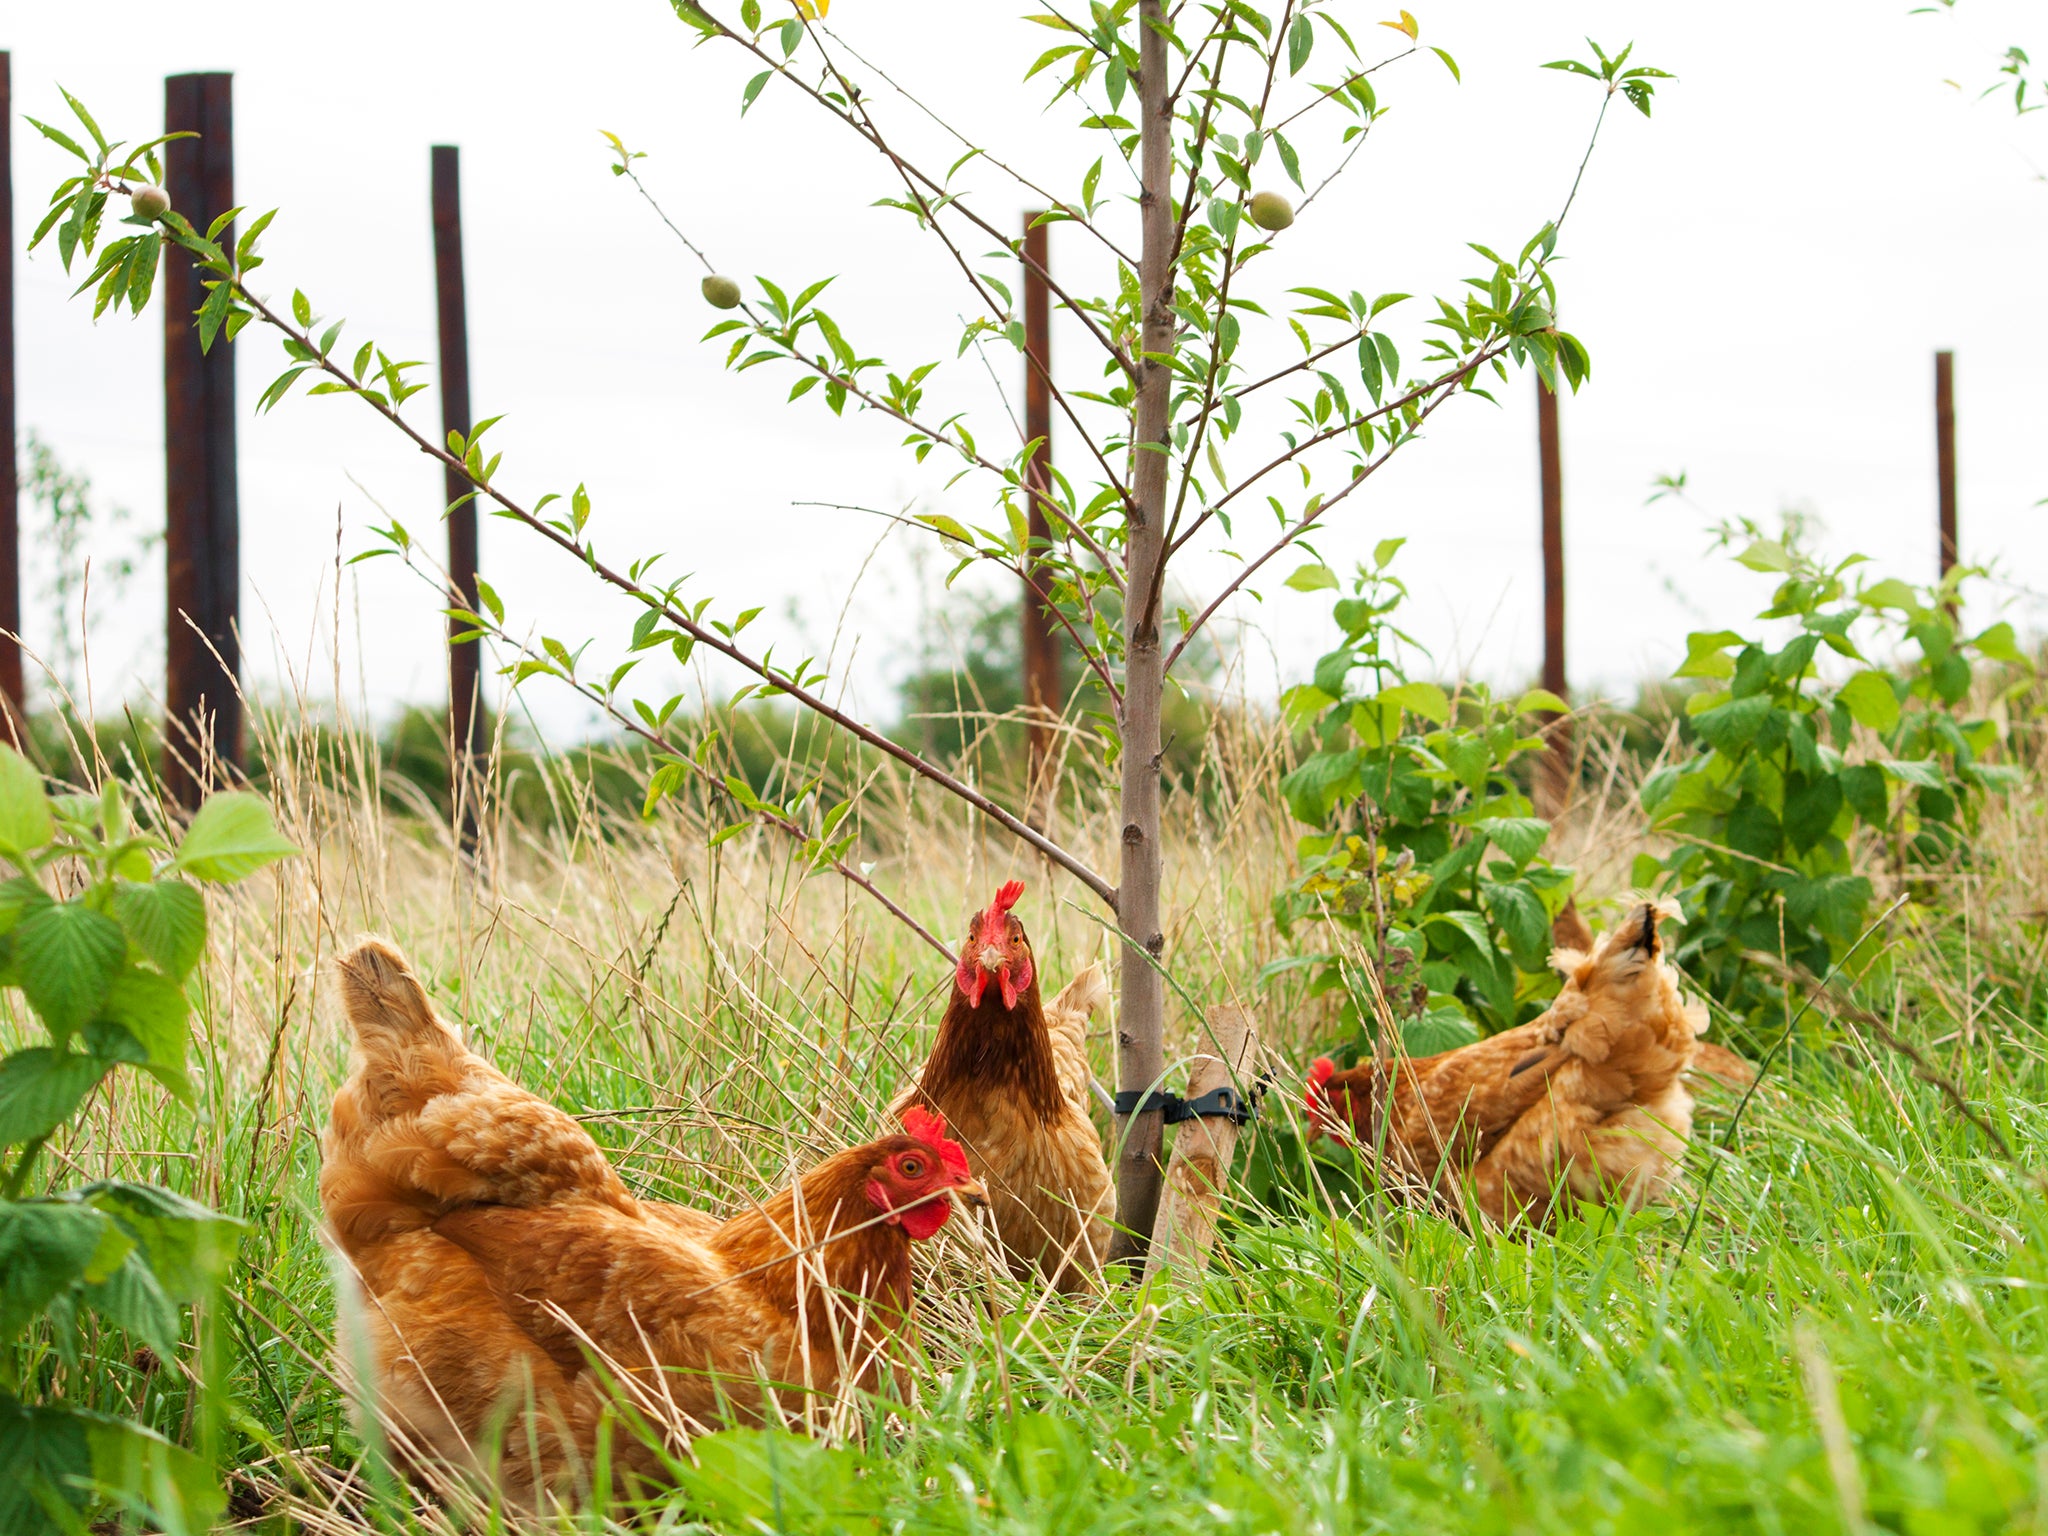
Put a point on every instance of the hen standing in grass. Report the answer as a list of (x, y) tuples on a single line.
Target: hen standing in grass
[(498, 1256), (1010, 1075), (1587, 1103)]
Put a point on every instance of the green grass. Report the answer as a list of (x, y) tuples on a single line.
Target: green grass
[(1856, 1333)]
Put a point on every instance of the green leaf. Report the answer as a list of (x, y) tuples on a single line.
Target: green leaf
[(1727, 728), (1924, 773), (1313, 578), (1541, 700), (1871, 700), (46, 1247), (1997, 644), (1424, 699), (1834, 904), (57, 1455), (1319, 783), (152, 1008), (40, 1088), (1522, 917), (175, 1486), (1301, 38), (1519, 837), (232, 836), (190, 1248), (1810, 811), (48, 1456), (131, 1298), (1704, 654), (166, 920), (1438, 1030), (1864, 788), (1766, 555), (67, 955), (25, 823), (951, 528), (1891, 593)]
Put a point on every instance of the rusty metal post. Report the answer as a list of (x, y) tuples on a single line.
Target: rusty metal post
[(1945, 453), (202, 542), (1042, 695), (1555, 771), (10, 484), (465, 747)]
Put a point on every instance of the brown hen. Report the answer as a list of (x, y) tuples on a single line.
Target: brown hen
[(503, 1269), (1010, 1075), (1587, 1103)]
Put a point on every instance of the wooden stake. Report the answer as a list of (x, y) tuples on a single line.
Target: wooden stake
[(10, 484), (1945, 454), (465, 746), (1555, 771), (202, 539), (1199, 1171), (1042, 693)]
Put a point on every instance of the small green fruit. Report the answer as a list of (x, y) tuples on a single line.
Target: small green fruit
[(150, 202), (721, 292), (1269, 210)]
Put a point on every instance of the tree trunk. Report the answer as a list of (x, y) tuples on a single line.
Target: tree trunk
[(1140, 1049)]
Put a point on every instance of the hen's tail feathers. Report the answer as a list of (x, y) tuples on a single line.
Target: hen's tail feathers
[(1087, 992), (388, 1008)]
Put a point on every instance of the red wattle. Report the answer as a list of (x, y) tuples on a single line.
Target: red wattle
[(921, 1221)]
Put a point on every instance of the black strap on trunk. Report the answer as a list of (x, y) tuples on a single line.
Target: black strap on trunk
[(1224, 1103)]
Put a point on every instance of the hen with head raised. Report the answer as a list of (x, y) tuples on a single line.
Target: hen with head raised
[(1010, 1075)]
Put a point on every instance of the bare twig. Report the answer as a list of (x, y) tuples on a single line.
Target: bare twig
[(699, 633)]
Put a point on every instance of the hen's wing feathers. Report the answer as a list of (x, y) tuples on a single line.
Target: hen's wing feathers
[(1066, 1021)]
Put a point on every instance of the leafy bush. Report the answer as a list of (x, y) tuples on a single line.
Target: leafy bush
[(105, 972), (1761, 822), (1427, 852)]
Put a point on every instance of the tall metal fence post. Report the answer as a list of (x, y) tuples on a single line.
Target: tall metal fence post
[(1042, 693), (465, 747), (10, 480), (1945, 454), (1555, 769), (202, 542)]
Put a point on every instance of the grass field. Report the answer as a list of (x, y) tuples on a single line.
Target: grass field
[(1855, 1338)]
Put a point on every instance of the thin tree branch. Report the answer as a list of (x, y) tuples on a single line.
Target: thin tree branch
[(767, 817), (1081, 643), (1350, 424), (586, 554), (1015, 175), (1365, 473), (936, 188), (1327, 91)]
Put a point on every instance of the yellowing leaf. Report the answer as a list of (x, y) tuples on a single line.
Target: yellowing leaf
[(813, 10), (1407, 24)]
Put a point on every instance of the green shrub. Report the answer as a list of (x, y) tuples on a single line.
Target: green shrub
[(105, 971), (1762, 820), (1427, 859)]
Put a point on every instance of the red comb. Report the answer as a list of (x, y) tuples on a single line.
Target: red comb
[(931, 1130), (1320, 1071), (1006, 898)]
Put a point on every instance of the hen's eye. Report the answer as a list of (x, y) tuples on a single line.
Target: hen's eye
[(912, 1167)]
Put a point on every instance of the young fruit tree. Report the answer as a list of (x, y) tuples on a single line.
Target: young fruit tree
[(1220, 401)]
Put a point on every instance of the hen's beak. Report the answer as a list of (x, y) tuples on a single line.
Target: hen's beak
[(971, 1195), (992, 959)]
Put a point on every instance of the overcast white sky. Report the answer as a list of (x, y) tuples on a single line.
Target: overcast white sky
[(1762, 273)]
